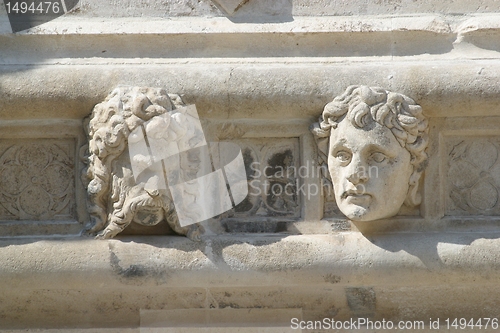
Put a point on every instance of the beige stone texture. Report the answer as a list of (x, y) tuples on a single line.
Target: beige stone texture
[(260, 73)]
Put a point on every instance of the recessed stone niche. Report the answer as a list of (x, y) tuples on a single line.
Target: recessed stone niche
[(41, 190), (272, 165), (473, 175), (37, 180)]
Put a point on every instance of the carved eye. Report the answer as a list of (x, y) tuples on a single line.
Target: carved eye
[(343, 156), (378, 157)]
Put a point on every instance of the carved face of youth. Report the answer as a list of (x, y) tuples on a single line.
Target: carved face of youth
[(370, 171)]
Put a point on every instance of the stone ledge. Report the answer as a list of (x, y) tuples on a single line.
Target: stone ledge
[(260, 10), (411, 259), (230, 91), (80, 26), (108, 283), (434, 23), (373, 38)]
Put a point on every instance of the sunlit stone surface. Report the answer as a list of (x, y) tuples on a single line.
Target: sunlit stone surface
[(387, 210)]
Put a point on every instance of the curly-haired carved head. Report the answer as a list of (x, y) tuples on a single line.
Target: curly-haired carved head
[(116, 198), (374, 143)]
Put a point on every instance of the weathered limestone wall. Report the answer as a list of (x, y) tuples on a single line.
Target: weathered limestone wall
[(259, 74)]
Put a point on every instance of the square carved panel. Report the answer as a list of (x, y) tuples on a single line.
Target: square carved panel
[(37, 180), (273, 182), (472, 174)]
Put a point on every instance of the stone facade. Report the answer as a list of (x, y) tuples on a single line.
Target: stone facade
[(368, 133)]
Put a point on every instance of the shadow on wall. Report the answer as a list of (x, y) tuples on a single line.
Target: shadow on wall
[(5, 27), (432, 247), (483, 40), (256, 11)]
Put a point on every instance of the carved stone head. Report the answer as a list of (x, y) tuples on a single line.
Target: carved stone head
[(116, 197), (374, 143)]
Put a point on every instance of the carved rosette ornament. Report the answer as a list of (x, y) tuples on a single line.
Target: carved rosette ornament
[(116, 198), (372, 143), (473, 176), (35, 181)]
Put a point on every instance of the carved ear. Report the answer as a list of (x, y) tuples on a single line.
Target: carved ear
[(414, 198)]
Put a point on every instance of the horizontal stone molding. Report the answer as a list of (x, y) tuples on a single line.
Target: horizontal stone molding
[(260, 79), (230, 91), (81, 26), (110, 283), (411, 259), (82, 40)]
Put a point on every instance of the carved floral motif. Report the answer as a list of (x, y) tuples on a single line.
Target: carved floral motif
[(271, 167), (473, 169), (36, 181)]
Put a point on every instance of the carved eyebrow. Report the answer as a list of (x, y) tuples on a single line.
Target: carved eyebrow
[(384, 149), (339, 143)]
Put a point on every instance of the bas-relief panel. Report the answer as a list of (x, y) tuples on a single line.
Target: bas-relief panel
[(472, 175), (271, 166), (37, 177), (37, 180), (273, 198)]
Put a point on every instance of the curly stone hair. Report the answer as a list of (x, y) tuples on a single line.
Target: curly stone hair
[(112, 202), (399, 113)]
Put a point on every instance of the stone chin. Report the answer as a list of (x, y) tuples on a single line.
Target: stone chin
[(366, 209), (362, 214), (356, 213)]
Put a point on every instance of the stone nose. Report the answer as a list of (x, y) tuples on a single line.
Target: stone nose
[(356, 172)]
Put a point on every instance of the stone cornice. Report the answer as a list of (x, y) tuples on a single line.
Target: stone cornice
[(444, 88), (410, 259)]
